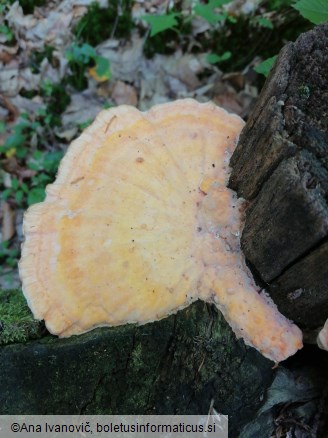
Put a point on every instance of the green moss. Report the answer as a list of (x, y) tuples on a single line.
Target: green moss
[(16, 320), (100, 24), (304, 92)]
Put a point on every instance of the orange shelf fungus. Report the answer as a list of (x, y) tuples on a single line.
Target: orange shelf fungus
[(139, 224)]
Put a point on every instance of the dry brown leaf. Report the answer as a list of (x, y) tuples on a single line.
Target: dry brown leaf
[(67, 134), (83, 107), (13, 112), (11, 166), (48, 72), (9, 79), (7, 53), (8, 222), (13, 79), (68, 6), (17, 20), (125, 61), (30, 106), (124, 94), (53, 29)]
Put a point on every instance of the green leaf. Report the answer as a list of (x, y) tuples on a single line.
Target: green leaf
[(35, 195), (81, 55), (21, 152), (206, 11), (314, 10), (102, 67), (6, 31), (265, 66), (19, 196), (51, 161), (14, 141), (33, 166), (24, 187), (264, 22), (37, 155), (87, 51), (160, 23), (5, 194), (212, 58), (14, 183), (2, 127)]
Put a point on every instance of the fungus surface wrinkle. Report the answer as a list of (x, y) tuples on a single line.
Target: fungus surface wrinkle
[(139, 223)]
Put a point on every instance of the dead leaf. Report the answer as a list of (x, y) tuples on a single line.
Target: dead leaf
[(124, 94), (67, 134), (125, 61), (7, 53), (8, 222), (17, 20), (13, 112), (9, 79), (48, 72), (83, 107), (11, 165), (30, 106), (19, 224), (236, 79), (13, 79), (92, 71), (53, 29)]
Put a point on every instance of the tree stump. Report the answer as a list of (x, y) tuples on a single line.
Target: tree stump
[(182, 364), (281, 166)]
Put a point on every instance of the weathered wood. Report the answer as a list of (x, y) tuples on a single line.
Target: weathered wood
[(281, 166), (290, 115), (304, 287), (288, 217)]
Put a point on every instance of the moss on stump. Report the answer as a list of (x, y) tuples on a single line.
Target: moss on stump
[(181, 364)]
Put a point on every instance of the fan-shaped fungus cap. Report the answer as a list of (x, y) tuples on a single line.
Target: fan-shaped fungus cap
[(139, 223)]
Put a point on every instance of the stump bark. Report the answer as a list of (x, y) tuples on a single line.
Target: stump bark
[(281, 166)]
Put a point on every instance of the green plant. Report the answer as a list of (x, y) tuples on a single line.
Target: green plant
[(43, 164), (7, 32), (264, 67), (212, 58), (18, 191), (315, 11), (38, 56), (8, 255), (209, 12), (82, 56), (262, 22), (57, 99), (15, 144), (160, 23), (99, 24)]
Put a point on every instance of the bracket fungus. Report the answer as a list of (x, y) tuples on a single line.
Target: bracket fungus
[(139, 224)]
